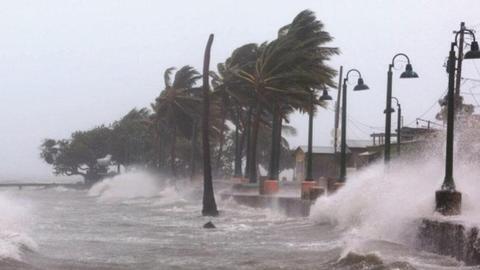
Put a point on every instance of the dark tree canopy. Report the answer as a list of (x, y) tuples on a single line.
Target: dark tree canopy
[(79, 154), (131, 141)]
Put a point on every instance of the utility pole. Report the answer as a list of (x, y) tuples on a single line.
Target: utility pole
[(337, 116), (343, 144), (337, 110)]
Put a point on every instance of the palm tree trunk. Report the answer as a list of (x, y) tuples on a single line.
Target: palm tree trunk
[(173, 151), (193, 164), (278, 141), (249, 136), (209, 204), (161, 157), (272, 170), (309, 176), (238, 150), (253, 144), (241, 150), (222, 138)]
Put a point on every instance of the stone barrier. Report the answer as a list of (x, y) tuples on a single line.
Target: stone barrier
[(289, 206), (450, 238)]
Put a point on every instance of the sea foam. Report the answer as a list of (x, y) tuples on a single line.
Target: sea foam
[(14, 223), (380, 203), (129, 185)]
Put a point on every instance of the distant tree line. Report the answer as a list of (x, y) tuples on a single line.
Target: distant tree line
[(252, 94)]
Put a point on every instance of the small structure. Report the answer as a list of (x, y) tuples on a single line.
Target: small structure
[(361, 156), (412, 139), (409, 134), (326, 161)]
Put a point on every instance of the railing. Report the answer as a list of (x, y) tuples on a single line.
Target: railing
[(44, 185)]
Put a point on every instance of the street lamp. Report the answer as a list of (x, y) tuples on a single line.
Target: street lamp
[(325, 96), (343, 146), (309, 181), (408, 73), (448, 200), (474, 53), (399, 123), (309, 177)]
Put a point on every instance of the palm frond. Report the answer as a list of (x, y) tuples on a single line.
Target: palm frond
[(167, 77)]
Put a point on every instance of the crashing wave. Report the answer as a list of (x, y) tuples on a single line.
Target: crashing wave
[(126, 186), (136, 187), (13, 226)]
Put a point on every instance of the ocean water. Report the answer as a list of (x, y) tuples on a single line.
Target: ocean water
[(139, 221)]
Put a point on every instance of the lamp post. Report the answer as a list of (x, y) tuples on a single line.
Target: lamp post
[(408, 73), (399, 123), (343, 145), (309, 181), (448, 200), (309, 176)]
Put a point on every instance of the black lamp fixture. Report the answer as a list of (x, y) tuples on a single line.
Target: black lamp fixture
[(474, 52), (360, 85), (408, 73), (325, 96), (392, 110)]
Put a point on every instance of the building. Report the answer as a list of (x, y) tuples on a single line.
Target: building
[(326, 162), (360, 153)]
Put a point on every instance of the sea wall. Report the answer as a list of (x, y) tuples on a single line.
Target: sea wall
[(291, 207), (450, 238)]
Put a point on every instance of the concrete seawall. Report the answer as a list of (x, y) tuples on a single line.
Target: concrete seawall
[(450, 238), (289, 206)]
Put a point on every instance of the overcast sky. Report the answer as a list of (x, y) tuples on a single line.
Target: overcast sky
[(72, 65)]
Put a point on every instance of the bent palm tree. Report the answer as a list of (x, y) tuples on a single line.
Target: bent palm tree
[(209, 204), (175, 107), (285, 70), (234, 95)]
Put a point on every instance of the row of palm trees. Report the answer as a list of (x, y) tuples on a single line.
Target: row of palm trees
[(254, 90)]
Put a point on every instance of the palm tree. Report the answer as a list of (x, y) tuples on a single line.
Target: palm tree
[(284, 71), (131, 139), (193, 167), (159, 131), (175, 108), (234, 95), (209, 204)]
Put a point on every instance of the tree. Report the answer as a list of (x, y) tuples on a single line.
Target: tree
[(79, 154), (255, 89), (209, 204), (235, 95), (285, 71), (176, 107), (131, 142)]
